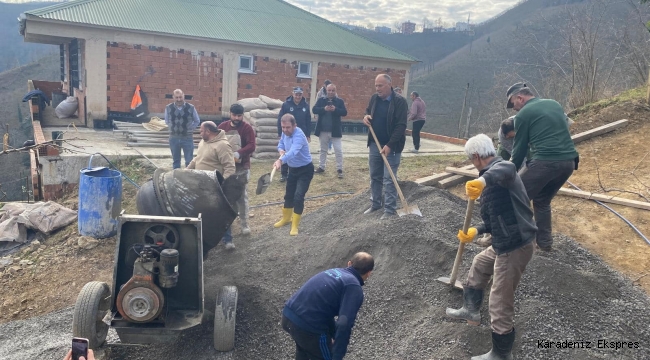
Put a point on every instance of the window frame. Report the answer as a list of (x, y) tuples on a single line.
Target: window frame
[(303, 75), (250, 69)]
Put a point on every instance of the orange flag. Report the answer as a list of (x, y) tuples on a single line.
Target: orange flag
[(137, 100)]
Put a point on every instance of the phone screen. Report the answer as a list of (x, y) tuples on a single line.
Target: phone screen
[(79, 348)]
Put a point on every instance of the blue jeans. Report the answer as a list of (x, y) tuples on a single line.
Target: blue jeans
[(380, 179), (178, 143), (227, 237)]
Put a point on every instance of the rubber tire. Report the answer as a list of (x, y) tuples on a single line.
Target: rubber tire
[(224, 318), (85, 324)]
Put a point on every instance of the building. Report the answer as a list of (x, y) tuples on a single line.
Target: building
[(408, 28), (242, 48), (383, 29), (462, 26)]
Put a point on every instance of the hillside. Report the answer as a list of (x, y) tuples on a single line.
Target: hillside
[(15, 113), (15, 52), (536, 49)]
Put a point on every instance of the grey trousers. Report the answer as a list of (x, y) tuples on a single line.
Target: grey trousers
[(324, 138), (543, 179), (242, 203), (507, 270)]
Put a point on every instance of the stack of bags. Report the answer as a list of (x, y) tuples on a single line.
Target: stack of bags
[(262, 114)]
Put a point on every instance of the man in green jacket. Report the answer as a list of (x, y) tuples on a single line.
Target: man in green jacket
[(541, 125)]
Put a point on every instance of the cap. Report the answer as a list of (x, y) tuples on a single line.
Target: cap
[(297, 89), (513, 90)]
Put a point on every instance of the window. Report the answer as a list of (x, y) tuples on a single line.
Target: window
[(304, 69), (246, 64)]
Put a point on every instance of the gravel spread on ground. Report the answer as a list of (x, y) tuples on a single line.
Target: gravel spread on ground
[(566, 296)]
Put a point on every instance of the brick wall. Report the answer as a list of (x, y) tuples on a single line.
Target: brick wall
[(160, 71), (53, 192), (356, 84), (274, 78)]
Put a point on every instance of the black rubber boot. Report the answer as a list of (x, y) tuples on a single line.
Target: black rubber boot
[(501, 347), (471, 310)]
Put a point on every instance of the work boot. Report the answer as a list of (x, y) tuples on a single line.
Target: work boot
[(286, 218), (283, 178), (230, 246), (501, 347), (245, 230), (320, 170), (484, 241), (370, 210), (471, 310), (340, 173), (295, 221)]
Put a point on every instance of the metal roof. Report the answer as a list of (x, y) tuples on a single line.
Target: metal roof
[(265, 22)]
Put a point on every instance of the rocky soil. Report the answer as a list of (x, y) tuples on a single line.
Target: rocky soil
[(568, 294)]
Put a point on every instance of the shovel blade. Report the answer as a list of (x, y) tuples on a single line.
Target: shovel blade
[(263, 183), (445, 280), (409, 210)]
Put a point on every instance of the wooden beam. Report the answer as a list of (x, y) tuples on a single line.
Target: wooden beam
[(598, 131), (433, 180), (452, 181), (605, 198), (569, 192)]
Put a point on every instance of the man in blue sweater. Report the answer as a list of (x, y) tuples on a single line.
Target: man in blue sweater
[(297, 106), (309, 314)]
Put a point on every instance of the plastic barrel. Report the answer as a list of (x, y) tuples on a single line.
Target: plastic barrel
[(100, 202)]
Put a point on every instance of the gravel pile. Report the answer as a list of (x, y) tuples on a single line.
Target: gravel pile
[(567, 295)]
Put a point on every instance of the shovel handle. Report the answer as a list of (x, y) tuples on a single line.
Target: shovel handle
[(461, 247), (272, 173), (390, 171)]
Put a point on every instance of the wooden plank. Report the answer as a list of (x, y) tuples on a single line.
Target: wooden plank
[(433, 180), (569, 192), (605, 198), (452, 181), (598, 131)]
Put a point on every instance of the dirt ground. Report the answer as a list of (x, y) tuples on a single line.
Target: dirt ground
[(61, 267)]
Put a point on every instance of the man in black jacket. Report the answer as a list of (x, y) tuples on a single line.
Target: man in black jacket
[(506, 214), (386, 113), (328, 128), (297, 106)]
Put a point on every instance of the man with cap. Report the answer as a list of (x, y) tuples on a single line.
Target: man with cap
[(294, 151), (297, 106), (386, 114), (542, 126), (242, 160)]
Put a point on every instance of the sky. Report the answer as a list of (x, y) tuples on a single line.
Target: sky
[(387, 12)]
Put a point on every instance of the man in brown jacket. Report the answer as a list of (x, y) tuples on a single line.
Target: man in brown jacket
[(215, 152)]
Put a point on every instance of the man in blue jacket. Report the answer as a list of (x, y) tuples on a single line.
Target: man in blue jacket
[(297, 106), (330, 109), (309, 314)]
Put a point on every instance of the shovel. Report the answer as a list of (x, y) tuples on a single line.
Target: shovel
[(264, 181), (406, 209), (454, 272)]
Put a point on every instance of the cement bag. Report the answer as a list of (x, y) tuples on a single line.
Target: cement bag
[(266, 155), (250, 121), (252, 104), (267, 122), (12, 231), (266, 142), (265, 113), (271, 103), (234, 140), (267, 135), (67, 108), (268, 129), (47, 217), (267, 148)]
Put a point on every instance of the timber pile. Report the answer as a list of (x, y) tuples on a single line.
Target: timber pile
[(137, 135), (451, 177), (262, 113)]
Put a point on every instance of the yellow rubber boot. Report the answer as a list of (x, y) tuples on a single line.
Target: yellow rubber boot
[(286, 218), (295, 221)]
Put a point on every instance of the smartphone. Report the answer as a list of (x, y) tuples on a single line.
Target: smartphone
[(79, 348)]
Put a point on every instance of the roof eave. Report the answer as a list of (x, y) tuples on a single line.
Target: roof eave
[(30, 17)]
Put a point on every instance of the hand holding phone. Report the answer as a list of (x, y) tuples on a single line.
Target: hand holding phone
[(79, 349)]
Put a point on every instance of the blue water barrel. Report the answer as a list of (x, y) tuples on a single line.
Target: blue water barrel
[(100, 202)]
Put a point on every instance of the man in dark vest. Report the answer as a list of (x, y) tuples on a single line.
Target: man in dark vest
[(182, 119)]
